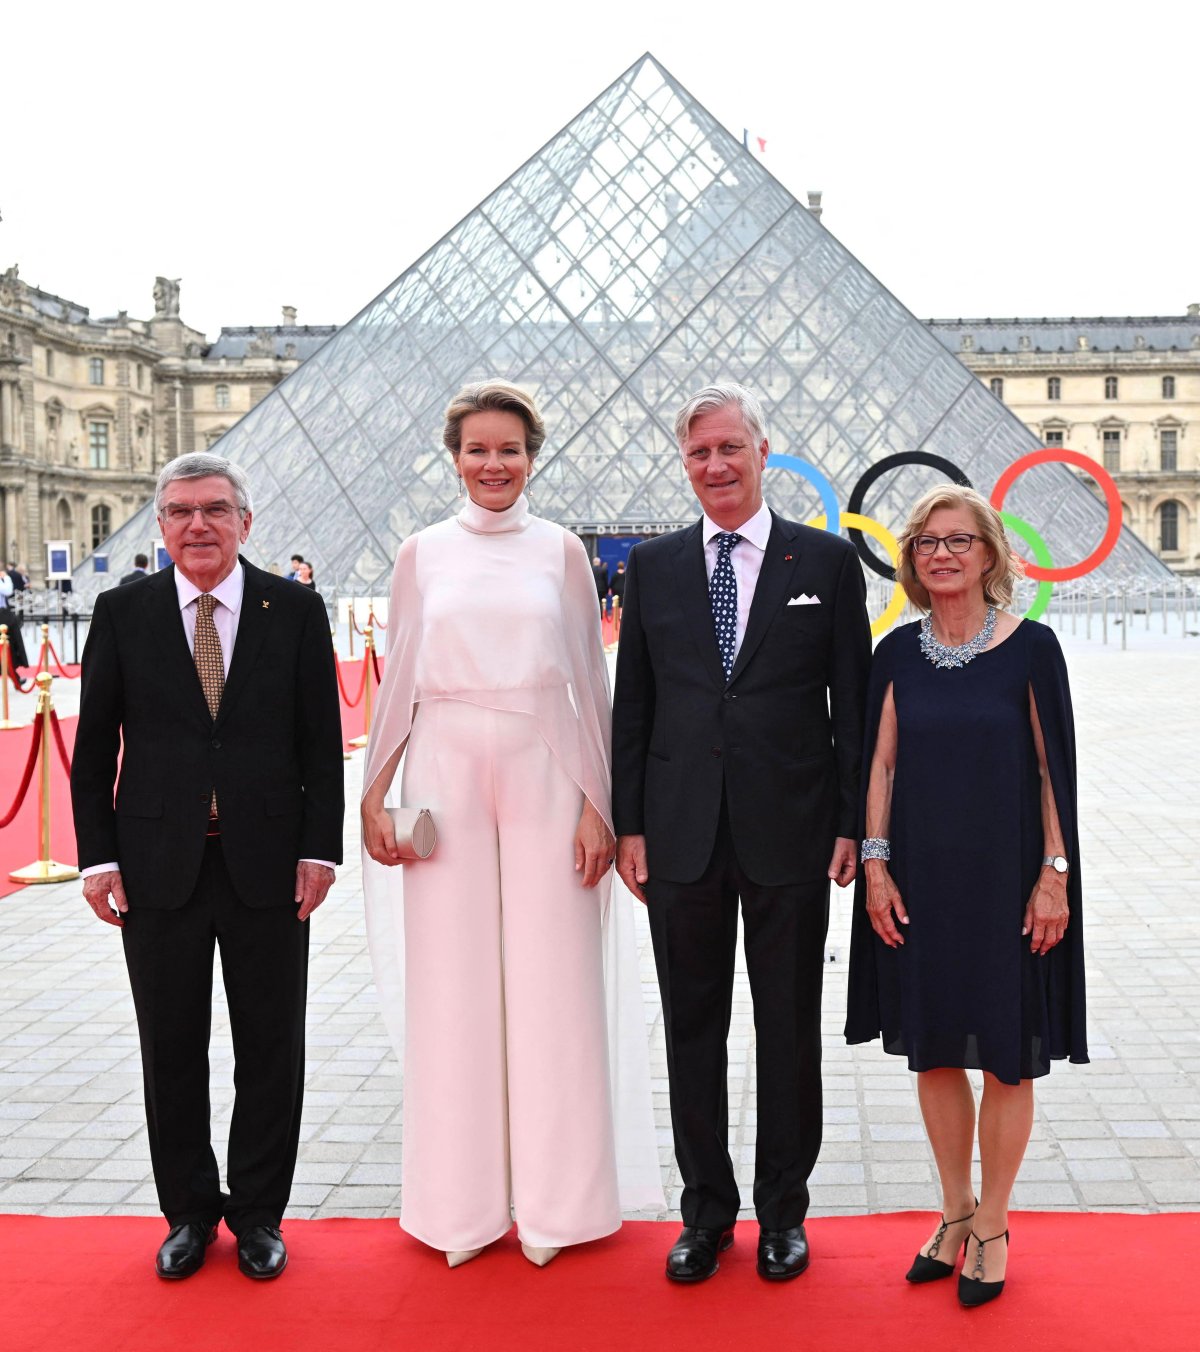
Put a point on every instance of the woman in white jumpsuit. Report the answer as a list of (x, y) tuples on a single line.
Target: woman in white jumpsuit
[(495, 693)]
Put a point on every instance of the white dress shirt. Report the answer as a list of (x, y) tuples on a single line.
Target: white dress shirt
[(225, 619), (746, 558)]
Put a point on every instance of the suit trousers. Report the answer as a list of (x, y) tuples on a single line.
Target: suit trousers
[(507, 1105), (264, 963), (694, 930)]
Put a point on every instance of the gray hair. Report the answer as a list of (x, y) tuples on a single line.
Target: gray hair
[(199, 465), (721, 395)]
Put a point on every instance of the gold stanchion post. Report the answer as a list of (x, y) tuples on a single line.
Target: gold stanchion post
[(44, 870), (6, 724), (369, 660), (45, 662)]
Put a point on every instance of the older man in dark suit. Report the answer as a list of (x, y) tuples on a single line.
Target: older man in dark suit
[(737, 736), (216, 681)]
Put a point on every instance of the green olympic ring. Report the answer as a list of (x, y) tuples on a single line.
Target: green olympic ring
[(1041, 555)]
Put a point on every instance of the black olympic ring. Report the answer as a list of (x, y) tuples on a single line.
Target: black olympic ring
[(855, 502)]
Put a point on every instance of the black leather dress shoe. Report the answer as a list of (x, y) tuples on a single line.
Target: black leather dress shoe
[(782, 1254), (184, 1249), (693, 1258), (262, 1253)]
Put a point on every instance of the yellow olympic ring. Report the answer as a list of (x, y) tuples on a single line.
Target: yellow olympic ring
[(869, 526)]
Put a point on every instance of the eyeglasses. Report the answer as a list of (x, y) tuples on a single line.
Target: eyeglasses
[(956, 544), (212, 512)]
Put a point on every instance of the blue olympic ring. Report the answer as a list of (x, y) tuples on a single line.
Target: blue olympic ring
[(833, 516)]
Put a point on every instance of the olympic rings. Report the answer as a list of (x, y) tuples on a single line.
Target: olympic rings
[(1111, 496), (859, 526), (857, 497), (1040, 552), (819, 482), (869, 526)]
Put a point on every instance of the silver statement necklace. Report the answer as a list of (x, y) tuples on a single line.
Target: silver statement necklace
[(947, 655)]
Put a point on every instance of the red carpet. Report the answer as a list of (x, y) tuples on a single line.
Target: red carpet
[(1077, 1283), (19, 840)]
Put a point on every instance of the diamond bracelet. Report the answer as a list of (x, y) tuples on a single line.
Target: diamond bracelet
[(875, 847)]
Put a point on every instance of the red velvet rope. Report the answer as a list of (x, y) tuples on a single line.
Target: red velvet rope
[(350, 703), (16, 680), (28, 775), (354, 622), (63, 754), (375, 664), (377, 622), (62, 671)]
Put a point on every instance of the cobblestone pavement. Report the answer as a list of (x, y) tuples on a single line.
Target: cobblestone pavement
[(1122, 1133)]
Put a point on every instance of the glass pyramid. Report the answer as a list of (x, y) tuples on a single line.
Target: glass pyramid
[(640, 254)]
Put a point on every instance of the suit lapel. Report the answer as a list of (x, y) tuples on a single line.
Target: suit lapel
[(694, 600), (780, 561), (253, 624), (163, 619)]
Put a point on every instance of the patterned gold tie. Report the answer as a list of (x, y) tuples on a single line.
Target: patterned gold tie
[(210, 663)]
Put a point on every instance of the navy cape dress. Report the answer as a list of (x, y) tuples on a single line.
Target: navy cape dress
[(967, 846)]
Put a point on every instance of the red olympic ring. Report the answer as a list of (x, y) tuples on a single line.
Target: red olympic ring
[(1111, 496)]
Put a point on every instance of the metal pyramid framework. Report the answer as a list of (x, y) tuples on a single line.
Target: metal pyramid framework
[(638, 255)]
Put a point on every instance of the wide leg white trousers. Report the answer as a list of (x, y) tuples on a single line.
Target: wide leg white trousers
[(506, 1088)]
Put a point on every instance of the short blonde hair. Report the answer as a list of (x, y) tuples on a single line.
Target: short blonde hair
[(486, 396), (997, 580)]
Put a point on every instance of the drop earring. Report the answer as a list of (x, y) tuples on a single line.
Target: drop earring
[(460, 486)]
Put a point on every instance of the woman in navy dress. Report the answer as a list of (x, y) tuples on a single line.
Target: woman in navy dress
[(967, 947)]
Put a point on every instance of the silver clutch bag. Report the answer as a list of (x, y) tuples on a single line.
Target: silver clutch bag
[(416, 834)]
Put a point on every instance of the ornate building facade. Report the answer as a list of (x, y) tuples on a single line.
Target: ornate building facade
[(1124, 391), (90, 409)]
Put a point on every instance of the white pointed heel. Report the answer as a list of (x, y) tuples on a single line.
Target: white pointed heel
[(457, 1257), (539, 1257)]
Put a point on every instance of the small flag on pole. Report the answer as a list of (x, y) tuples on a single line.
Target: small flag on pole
[(759, 146)]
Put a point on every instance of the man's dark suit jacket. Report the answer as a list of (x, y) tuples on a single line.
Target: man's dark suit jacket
[(273, 754), (782, 739), (133, 576)]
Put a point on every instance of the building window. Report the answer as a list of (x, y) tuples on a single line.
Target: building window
[(1168, 387), (222, 396), (1110, 387), (101, 524), (96, 371), (997, 385), (98, 445), (1112, 449), (141, 374), (1168, 519), (1054, 388), (1168, 449), (1053, 438), (49, 361)]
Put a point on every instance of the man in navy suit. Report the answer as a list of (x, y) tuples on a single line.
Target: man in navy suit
[(737, 739)]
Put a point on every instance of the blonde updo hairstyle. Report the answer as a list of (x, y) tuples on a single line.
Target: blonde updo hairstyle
[(487, 396), (998, 576)]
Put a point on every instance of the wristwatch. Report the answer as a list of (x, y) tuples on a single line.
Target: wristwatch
[(1056, 862)]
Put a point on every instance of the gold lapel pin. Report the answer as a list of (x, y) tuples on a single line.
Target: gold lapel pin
[(266, 605)]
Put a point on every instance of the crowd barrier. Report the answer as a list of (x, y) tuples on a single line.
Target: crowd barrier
[(46, 738)]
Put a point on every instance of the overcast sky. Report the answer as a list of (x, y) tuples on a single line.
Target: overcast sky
[(980, 159)]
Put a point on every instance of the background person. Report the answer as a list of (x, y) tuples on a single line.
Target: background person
[(304, 576), (226, 826), (737, 739), (141, 564), (967, 949), (496, 694), (10, 616)]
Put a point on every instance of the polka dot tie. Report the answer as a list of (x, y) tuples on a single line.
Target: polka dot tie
[(210, 662), (722, 592)]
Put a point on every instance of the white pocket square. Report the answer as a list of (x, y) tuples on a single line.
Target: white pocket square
[(804, 600)]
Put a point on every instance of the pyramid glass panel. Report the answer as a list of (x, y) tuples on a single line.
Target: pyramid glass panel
[(640, 254)]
